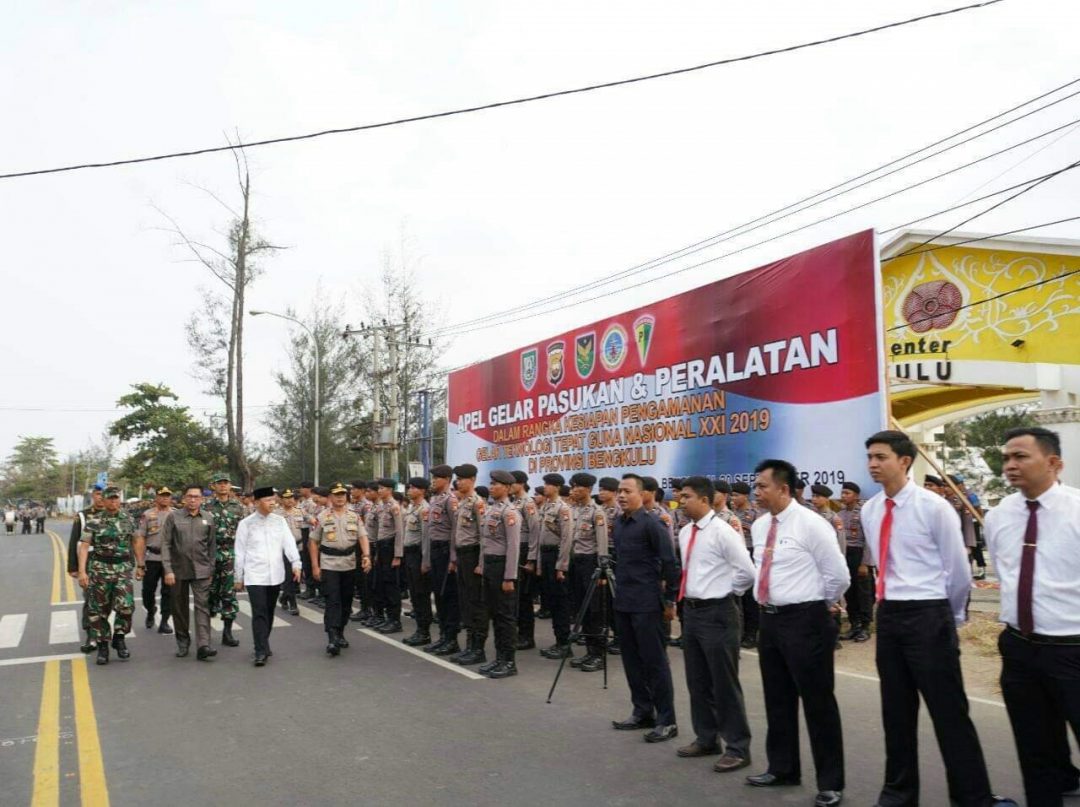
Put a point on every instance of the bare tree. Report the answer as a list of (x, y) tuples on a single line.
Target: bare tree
[(216, 340)]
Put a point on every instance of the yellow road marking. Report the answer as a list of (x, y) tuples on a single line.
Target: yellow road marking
[(95, 793), (69, 581), (47, 755), (56, 569)]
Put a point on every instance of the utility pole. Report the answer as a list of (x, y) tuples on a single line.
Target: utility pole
[(425, 429)]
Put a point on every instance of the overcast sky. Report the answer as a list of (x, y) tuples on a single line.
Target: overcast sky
[(501, 207)]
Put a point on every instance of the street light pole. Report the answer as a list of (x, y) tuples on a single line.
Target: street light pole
[(318, 365)]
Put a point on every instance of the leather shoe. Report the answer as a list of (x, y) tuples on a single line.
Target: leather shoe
[(633, 723), (862, 636), (828, 798), (182, 649), (730, 762), (591, 664), (662, 733), (260, 659), (205, 654), (696, 749), (772, 780)]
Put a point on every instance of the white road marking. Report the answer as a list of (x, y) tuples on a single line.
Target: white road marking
[(63, 627), (449, 665), (11, 630), (245, 609), (8, 662), (310, 614), (218, 625)]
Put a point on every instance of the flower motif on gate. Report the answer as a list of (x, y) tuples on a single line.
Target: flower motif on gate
[(932, 305)]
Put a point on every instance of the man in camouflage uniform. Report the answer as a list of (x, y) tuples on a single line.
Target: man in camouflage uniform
[(149, 530), (78, 526), (530, 539), (226, 512), (107, 577), (585, 548)]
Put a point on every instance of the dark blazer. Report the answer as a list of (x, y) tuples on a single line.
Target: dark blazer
[(645, 559), (188, 546)]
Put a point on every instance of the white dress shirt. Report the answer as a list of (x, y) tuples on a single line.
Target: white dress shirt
[(261, 541), (927, 557), (719, 564), (1055, 594), (807, 564)]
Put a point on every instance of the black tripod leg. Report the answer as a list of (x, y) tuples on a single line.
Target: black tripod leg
[(575, 631)]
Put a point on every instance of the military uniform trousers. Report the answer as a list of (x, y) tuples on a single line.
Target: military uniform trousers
[(419, 587), (387, 588), (582, 568), (526, 621), (337, 587), (445, 590), (155, 573), (555, 595), (179, 594), (860, 594), (496, 607), (110, 591), (470, 590), (222, 584)]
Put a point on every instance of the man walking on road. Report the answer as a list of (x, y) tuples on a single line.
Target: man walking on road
[(226, 513), (188, 554), (150, 531)]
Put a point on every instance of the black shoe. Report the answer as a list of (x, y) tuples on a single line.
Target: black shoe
[(358, 615), (543, 613), (828, 798), (375, 622), (581, 641), (662, 733), (417, 639), (863, 635), (260, 659), (149, 620), (431, 648), (577, 661), (558, 651), (634, 723), (319, 602), (164, 627), (525, 644), (470, 657), (103, 653), (332, 647), (847, 637), (614, 649), (293, 610), (675, 642), (390, 626), (205, 654), (749, 643), (227, 638), (88, 646), (182, 649), (283, 599), (410, 614), (451, 648), (771, 780), (120, 647), (505, 669), (342, 642), (592, 664), (484, 669)]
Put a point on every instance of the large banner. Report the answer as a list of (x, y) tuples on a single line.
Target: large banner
[(783, 361)]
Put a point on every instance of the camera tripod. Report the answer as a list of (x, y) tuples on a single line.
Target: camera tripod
[(603, 568)]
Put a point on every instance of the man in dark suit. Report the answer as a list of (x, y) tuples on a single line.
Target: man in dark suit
[(646, 581)]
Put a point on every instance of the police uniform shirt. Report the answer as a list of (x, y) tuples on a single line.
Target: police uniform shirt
[(467, 519), (664, 515), (295, 519), (150, 529), (732, 521), (415, 523), (806, 561), (339, 531), (391, 526), (588, 536), (502, 536), (747, 515), (611, 512), (440, 522), (371, 520), (555, 522), (834, 521), (530, 522), (1055, 595)]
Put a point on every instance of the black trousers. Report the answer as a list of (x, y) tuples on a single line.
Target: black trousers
[(470, 590), (290, 586), (40, 526), (1041, 686), (645, 662), (496, 607), (305, 560), (445, 590), (860, 594), (526, 588), (795, 652), (749, 611), (918, 653), (263, 600), (419, 587), (387, 587), (556, 594), (592, 626), (155, 573), (337, 587), (711, 652)]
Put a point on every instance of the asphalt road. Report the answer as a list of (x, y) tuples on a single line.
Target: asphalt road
[(378, 725)]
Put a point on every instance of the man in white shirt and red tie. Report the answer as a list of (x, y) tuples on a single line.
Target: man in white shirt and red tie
[(924, 581), (716, 570), (263, 540), (1034, 539), (801, 576)]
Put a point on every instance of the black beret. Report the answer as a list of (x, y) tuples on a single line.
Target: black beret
[(582, 480), (800, 484), (307, 484), (321, 491), (554, 479), (722, 486), (564, 490), (520, 477), (676, 482), (851, 486), (503, 477), (419, 482), (442, 471), (262, 493), (465, 471), (482, 491), (821, 490), (649, 484), (609, 483), (372, 485), (933, 480), (740, 487), (386, 482), (358, 483)]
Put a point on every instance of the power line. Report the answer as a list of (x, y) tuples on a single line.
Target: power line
[(499, 104), (982, 238), (774, 216)]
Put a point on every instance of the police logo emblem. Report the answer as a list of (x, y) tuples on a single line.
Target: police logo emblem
[(585, 354), (528, 369), (555, 363), (643, 333), (613, 347)]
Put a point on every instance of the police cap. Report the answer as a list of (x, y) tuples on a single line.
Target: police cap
[(338, 488), (740, 487), (851, 486), (419, 482), (582, 480), (442, 471), (520, 477), (465, 471), (502, 477), (609, 483), (821, 490), (554, 479)]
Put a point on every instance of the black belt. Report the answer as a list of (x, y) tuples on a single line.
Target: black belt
[(494, 558), (784, 609), (153, 550), (554, 548), (474, 548), (911, 605), (1039, 638), (336, 552), (413, 548), (110, 558), (692, 602)]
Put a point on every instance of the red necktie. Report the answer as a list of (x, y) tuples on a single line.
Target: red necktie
[(1025, 615), (686, 561), (766, 564), (883, 545)]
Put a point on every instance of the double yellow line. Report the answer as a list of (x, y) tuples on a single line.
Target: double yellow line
[(60, 579)]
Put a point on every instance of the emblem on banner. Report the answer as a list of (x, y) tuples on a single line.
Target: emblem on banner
[(585, 353), (613, 347), (528, 369), (643, 333), (555, 363)]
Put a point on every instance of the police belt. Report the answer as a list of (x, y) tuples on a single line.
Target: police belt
[(693, 602), (413, 548), (111, 558), (767, 608), (154, 550), (338, 552), (494, 558), (1040, 638)]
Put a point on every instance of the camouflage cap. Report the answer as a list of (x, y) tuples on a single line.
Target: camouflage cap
[(112, 492), (221, 477)]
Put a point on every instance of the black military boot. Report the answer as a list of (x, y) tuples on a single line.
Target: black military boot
[(227, 638), (558, 651), (182, 647), (103, 653), (205, 654), (332, 647), (474, 655), (88, 646), (390, 626), (484, 669), (120, 647), (164, 626), (505, 668), (341, 640), (525, 643), (449, 648), (422, 636), (150, 618), (435, 645), (294, 610), (462, 651)]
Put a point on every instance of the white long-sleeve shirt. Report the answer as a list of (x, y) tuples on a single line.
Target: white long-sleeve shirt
[(261, 543), (927, 557), (719, 564), (807, 564), (1055, 596)]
